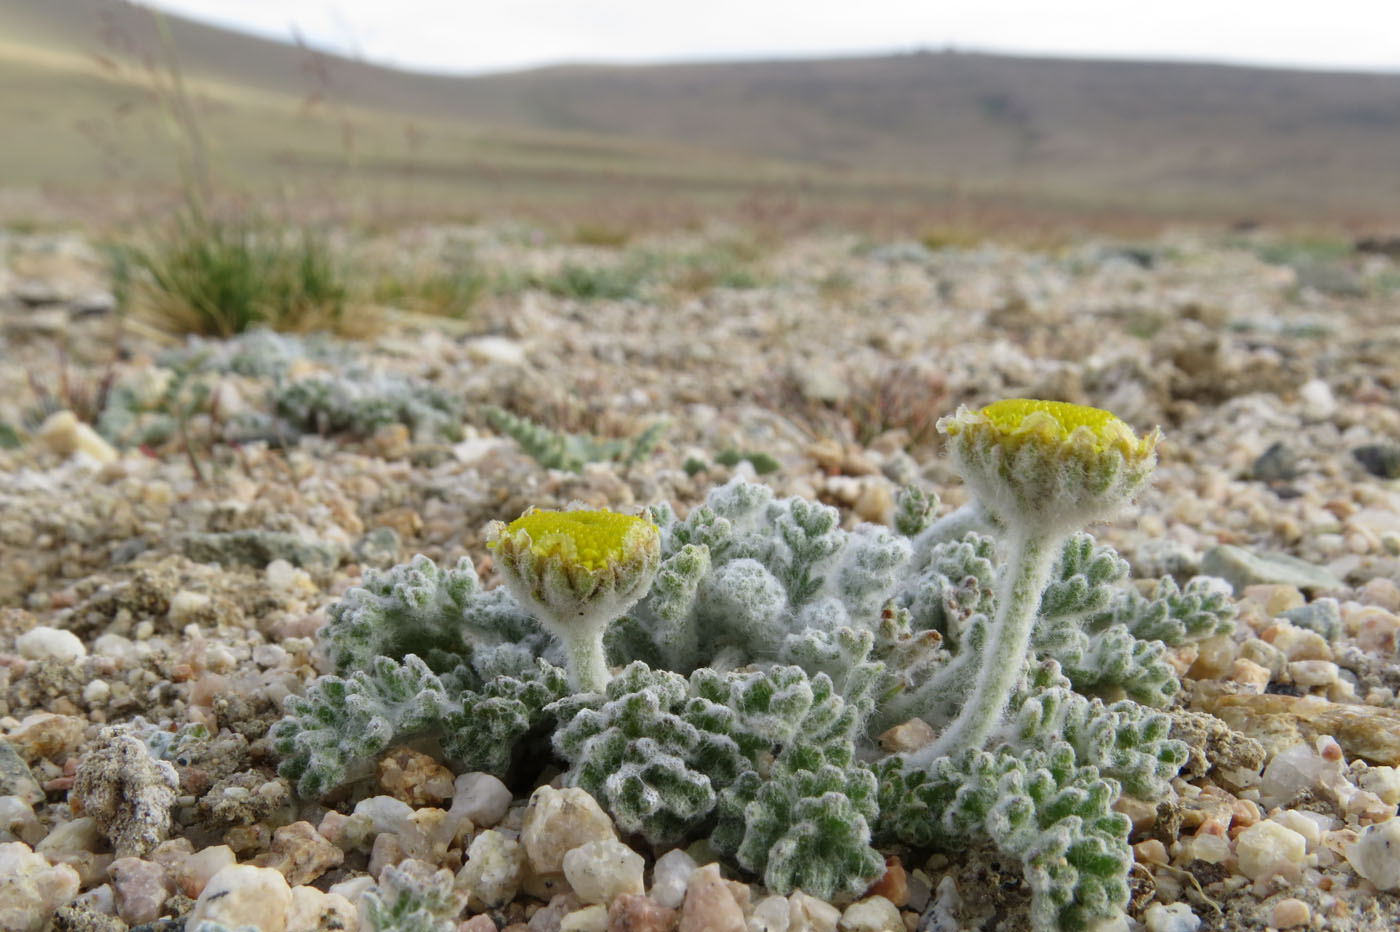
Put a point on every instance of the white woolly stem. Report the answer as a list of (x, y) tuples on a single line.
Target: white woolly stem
[(1004, 660), (588, 667)]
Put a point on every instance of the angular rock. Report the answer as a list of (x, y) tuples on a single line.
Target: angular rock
[(312, 909), (493, 872), (872, 914), (557, 821), (300, 854), (1243, 568), (1379, 459), (65, 435), (141, 887), (1376, 855), (635, 913), (1279, 722), (670, 877), (600, 871), (709, 905), (243, 895), (15, 778), (481, 797), (31, 888), (1276, 464), (414, 777)]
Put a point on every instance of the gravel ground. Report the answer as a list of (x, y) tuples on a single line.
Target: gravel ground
[(175, 572)]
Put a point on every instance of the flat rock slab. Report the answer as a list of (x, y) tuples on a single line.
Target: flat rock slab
[(1241, 568), (1279, 722)]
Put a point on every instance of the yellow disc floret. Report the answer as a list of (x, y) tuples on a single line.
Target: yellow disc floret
[(1021, 419), (591, 539), (1048, 463)]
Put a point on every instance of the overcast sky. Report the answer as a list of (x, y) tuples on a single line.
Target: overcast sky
[(494, 35)]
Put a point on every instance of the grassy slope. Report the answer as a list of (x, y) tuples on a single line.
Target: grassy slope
[(907, 131)]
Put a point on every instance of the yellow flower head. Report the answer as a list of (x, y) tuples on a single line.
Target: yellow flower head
[(1054, 464), (577, 567), (591, 539)]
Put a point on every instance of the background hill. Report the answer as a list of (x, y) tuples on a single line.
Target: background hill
[(90, 102)]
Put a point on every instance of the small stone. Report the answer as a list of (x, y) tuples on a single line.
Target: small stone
[(770, 914), (709, 905), (1290, 913), (670, 876), (481, 797), (631, 912), (1298, 643), (588, 919), (18, 822), (1316, 400), (386, 851), (1379, 459), (187, 607), (478, 923), (1323, 616), (821, 384), (1140, 812), (809, 914), (909, 736), (1384, 782), (1376, 855), (875, 502), (1241, 568), (141, 887), (386, 814), (244, 895), (300, 853), (495, 349), (31, 888), (1276, 464), (552, 915), (1382, 593), (1291, 773), (312, 909), (45, 643), (65, 435), (872, 914), (15, 778), (494, 869), (1249, 675), (599, 871), (557, 821), (1313, 674), (127, 792), (414, 777), (192, 874), (894, 885), (1265, 847), (392, 441), (48, 735), (1176, 917)]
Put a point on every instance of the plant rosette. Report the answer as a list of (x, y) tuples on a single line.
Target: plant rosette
[(577, 571)]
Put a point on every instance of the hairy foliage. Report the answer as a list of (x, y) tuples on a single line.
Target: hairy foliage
[(554, 449)]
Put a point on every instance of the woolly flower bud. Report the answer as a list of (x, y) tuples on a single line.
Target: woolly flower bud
[(577, 565), (577, 571), (1056, 465)]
